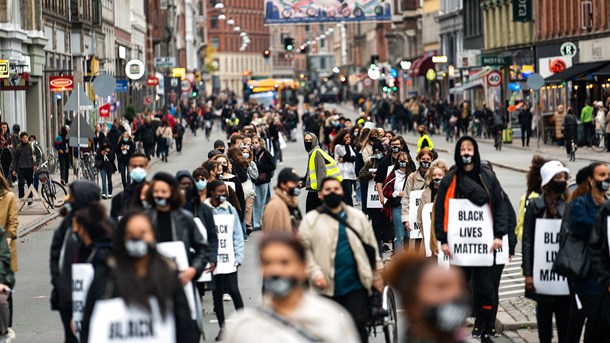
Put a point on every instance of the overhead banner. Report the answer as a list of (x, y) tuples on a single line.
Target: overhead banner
[(522, 10), (545, 250), (321, 11), (414, 198)]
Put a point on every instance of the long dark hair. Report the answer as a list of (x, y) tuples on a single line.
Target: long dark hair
[(340, 137), (94, 220), (533, 177), (583, 175), (158, 281)]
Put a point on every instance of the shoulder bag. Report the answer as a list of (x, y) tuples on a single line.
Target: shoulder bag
[(572, 260)]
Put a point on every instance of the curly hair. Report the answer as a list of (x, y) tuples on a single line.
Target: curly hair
[(534, 180), (440, 164)]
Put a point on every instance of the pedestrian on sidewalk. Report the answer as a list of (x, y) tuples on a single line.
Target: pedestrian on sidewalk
[(551, 204), (27, 160), (346, 157), (606, 130), (586, 118), (178, 135), (282, 212), (164, 139), (129, 197), (570, 130), (334, 236), (558, 118), (39, 150), (367, 183), (525, 120), (7, 282), (9, 220), (125, 148), (104, 161)]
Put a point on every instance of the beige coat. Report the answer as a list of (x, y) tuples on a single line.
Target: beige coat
[(276, 216), (9, 220), (607, 120), (320, 233), (559, 116), (415, 182), (426, 198)]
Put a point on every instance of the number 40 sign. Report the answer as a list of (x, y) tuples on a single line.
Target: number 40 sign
[(494, 78)]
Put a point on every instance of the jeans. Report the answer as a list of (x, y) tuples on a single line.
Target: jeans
[(124, 171), (526, 132), (106, 182), (178, 143), (399, 229), (547, 305), (262, 191), (25, 175), (225, 283), (357, 304), (358, 193)]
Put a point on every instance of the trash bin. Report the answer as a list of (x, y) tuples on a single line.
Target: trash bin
[(507, 135)]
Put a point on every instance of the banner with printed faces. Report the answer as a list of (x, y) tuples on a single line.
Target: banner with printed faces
[(414, 199), (226, 253), (177, 252), (426, 222), (82, 276), (112, 321), (372, 197), (546, 241), (470, 233)]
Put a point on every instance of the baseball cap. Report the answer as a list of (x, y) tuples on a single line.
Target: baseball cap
[(286, 175), (550, 169)]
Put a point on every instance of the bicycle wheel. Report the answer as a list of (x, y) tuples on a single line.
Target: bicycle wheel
[(598, 142), (47, 195), (60, 194), (390, 327)]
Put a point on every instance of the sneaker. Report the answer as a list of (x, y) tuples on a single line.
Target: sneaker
[(494, 333), (476, 332), (11, 335), (104, 196), (226, 297), (109, 196), (219, 337)]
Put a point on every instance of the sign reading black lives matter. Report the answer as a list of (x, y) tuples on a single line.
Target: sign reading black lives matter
[(414, 199), (545, 251), (470, 235), (226, 252), (372, 200), (176, 251), (82, 276), (113, 321)]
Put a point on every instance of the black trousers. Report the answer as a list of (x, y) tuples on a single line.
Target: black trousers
[(589, 131), (178, 143), (313, 201), (347, 186), (526, 132), (608, 141), (64, 167), (547, 305), (497, 271), (66, 318), (482, 285), (596, 308), (25, 175), (363, 192), (357, 304), (577, 319), (225, 283)]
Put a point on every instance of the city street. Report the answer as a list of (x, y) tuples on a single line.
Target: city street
[(33, 286)]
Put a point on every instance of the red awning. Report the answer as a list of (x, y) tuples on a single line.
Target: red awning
[(421, 65)]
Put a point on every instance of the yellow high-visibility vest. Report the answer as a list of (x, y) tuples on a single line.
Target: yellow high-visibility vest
[(332, 169), (421, 141)]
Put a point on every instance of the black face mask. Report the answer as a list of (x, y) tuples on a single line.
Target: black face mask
[(308, 146), (225, 169), (425, 165), (558, 187), (603, 186), (221, 150), (332, 200), (279, 287), (448, 317), (395, 149), (294, 191)]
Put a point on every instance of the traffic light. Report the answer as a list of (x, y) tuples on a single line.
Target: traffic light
[(195, 92), (288, 43), (303, 49), (266, 53)]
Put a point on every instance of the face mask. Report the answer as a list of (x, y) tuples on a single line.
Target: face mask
[(385, 147), (246, 155), (201, 184), (256, 146), (161, 202), (125, 140), (294, 191), (221, 198), (225, 169), (241, 145), (355, 133), (308, 146), (124, 152), (395, 149), (219, 176), (437, 181), (447, 317), (421, 132), (138, 174), (279, 287), (136, 248), (425, 165), (402, 164), (558, 187), (603, 185), (222, 151), (188, 191), (467, 159), (332, 200), (379, 156)]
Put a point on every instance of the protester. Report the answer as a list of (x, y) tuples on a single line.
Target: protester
[(232, 181), (266, 167), (424, 140), (534, 188), (27, 161), (367, 180), (282, 212), (551, 204), (480, 187), (416, 181), (6, 155), (105, 163), (220, 146), (437, 171), (600, 261), (214, 169), (138, 283), (334, 237), (346, 157), (397, 145), (125, 148), (7, 282), (225, 276), (525, 121), (435, 300), (249, 188), (319, 166), (125, 200), (289, 312), (393, 190), (164, 138)]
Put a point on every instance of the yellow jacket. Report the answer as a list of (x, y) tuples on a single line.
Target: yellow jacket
[(521, 215)]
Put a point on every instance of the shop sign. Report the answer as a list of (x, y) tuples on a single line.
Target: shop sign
[(439, 59), (135, 69), (568, 49), (522, 10), (548, 66), (179, 72), (494, 60), (4, 69), (61, 83), (152, 81), (165, 62), (122, 86), (16, 82), (105, 110)]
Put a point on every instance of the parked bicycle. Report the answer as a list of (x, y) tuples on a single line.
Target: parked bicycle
[(53, 192), (598, 141), (87, 169)]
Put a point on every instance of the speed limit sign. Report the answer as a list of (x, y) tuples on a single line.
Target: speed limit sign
[(494, 78)]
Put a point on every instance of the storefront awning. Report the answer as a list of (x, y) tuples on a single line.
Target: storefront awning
[(420, 66), (466, 86), (577, 71), (603, 72)]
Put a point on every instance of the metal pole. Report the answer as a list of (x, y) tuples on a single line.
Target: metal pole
[(78, 112), (343, 45)]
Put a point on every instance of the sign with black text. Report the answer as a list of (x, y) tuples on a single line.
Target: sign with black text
[(372, 197), (414, 199), (442, 259), (82, 276), (545, 251), (177, 253), (226, 252), (470, 233)]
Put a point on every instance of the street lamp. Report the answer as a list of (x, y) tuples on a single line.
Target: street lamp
[(236, 28), (219, 5), (222, 16), (231, 21), (243, 34)]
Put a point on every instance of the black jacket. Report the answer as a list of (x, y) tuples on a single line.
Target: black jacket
[(266, 166), (598, 246), (124, 200), (535, 210), (130, 147), (184, 229)]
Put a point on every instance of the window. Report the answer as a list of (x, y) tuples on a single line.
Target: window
[(307, 28), (322, 63), (214, 22), (322, 43), (215, 42)]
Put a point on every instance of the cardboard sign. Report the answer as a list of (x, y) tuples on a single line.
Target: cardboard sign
[(443, 260), (112, 321), (502, 253), (414, 198), (226, 253), (205, 276), (372, 197), (470, 233), (177, 252), (82, 276), (426, 222), (545, 249)]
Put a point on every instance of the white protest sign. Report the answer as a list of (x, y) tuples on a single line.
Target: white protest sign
[(226, 254), (426, 222), (443, 260), (414, 198), (372, 200), (390, 169), (502, 253), (205, 276), (177, 252), (608, 233), (470, 233), (113, 321), (545, 249), (82, 276), (230, 184)]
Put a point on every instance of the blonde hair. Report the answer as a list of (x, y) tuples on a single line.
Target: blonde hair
[(440, 164)]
